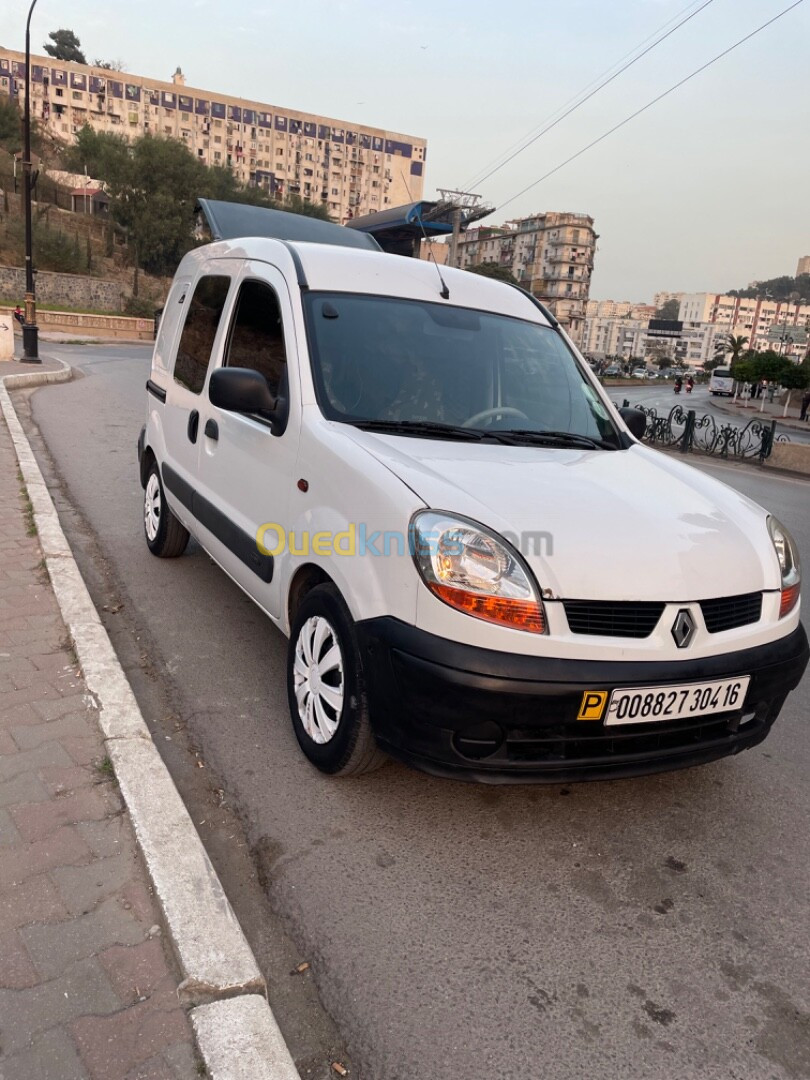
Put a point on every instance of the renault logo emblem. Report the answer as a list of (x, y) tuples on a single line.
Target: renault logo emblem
[(683, 629)]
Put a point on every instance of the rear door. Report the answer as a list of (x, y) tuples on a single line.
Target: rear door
[(245, 471), (199, 337)]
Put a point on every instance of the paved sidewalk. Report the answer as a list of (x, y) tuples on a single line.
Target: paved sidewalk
[(772, 411), (87, 982)]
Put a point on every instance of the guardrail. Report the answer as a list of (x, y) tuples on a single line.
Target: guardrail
[(682, 429)]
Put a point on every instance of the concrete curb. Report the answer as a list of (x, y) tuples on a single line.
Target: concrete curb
[(215, 959), (240, 1040)]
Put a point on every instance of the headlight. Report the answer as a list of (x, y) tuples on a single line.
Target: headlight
[(475, 571), (788, 555)]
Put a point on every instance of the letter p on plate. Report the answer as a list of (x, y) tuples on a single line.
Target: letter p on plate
[(593, 705)]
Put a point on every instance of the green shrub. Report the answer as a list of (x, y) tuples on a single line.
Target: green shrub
[(140, 307)]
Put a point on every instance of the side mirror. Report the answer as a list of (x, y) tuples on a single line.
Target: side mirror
[(636, 420), (243, 390)]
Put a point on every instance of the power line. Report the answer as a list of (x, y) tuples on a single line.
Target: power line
[(583, 90), (533, 139), (649, 104)]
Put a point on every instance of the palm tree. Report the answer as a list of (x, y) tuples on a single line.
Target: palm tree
[(733, 344)]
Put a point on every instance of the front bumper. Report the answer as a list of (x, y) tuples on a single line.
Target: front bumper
[(477, 714)]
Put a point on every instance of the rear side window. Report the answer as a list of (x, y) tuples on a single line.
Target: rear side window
[(199, 331), (256, 339)]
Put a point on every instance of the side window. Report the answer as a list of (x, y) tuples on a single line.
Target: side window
[(199, 331), (257, 337)]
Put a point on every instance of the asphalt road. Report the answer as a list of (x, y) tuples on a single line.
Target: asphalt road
[(647, 928)]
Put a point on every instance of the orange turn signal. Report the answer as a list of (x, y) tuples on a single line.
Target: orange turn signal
[(519, 614), (790, 597)]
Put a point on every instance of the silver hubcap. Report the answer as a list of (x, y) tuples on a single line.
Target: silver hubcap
[(318, 672), (151, 507)]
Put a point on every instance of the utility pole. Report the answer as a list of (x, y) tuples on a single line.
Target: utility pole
[(465, 208), (30, 329)]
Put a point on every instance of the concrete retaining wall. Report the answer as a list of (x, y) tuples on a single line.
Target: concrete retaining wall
[(91, 326), (70, 290), (793, 456)]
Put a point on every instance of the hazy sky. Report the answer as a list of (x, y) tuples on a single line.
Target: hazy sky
[(707, 190)]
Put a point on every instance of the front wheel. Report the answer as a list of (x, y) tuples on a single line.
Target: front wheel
[(165, 536), (326, 688)]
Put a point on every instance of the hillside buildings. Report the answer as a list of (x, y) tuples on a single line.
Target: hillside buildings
[(703, 320), (551, 254), (353, 168)]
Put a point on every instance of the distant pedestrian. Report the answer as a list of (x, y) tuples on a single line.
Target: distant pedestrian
[(805, 405), (19, 314)]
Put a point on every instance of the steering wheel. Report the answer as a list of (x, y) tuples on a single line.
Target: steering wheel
[(487, 414)]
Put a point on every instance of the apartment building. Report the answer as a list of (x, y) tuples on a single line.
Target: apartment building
[(635, 337), (662, 298), (803, 265), (551, 254), (619, 309), (763, 322), (353, 168)]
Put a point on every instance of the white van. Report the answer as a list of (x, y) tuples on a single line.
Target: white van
[(721, 382), (480, 569)]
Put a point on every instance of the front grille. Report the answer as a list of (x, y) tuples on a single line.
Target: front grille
[(635, 619), (729, 611), (581, 742)]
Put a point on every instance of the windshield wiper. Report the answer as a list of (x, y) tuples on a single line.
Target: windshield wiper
[(431, 429), (423, 428), (557, 438)]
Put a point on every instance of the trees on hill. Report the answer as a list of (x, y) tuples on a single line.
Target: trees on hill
[(64, 45), (494, 270), (669, 310), (778, 288), (153, 184)]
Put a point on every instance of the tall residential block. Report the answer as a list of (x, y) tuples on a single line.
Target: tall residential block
[(551, 254), (353, 169), (803, 266)]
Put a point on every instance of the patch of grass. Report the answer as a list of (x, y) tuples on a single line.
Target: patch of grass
[(105, 768), (28, 511)]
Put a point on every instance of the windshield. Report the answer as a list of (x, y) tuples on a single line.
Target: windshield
[(407, 362), (721, 373)]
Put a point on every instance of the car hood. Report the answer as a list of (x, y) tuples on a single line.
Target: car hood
[(616, 525)]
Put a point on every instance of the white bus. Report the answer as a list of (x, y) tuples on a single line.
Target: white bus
[(721, 382)]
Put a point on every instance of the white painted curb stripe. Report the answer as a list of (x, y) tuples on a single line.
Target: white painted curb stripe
[(240, 1040), (238, 1032)]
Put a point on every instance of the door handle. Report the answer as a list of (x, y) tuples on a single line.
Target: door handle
[(211, 429), (193, 425)]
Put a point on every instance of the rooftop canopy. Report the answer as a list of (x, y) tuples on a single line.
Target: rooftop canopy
[(227, 221), (400, 229)]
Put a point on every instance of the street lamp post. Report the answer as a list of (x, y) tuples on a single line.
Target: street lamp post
[(30, 329)]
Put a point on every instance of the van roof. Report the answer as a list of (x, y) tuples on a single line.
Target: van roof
[(332, 268)]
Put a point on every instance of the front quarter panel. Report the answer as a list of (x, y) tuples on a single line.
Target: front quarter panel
[(351, 522)]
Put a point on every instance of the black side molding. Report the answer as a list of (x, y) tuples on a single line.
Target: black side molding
[(156, 391), (243, 546)]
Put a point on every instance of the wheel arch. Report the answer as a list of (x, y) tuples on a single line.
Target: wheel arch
[(303, 581), (148, 459)]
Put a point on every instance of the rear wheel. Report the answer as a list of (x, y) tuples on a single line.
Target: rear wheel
[(165, 536), (326, 688)]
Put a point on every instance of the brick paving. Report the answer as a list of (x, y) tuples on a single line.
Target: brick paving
[(87, 981)]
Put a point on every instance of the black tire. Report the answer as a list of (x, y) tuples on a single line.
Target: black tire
[(350, 749), (170, 537)]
